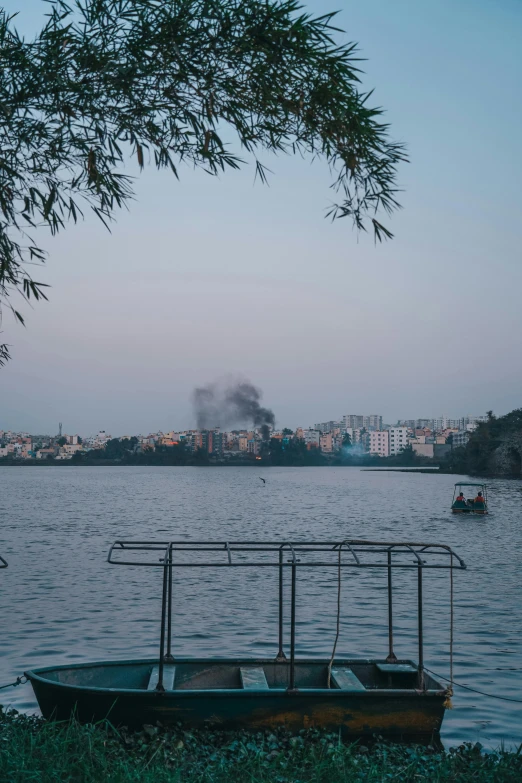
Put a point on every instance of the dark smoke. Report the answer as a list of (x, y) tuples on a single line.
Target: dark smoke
[(231, 402)]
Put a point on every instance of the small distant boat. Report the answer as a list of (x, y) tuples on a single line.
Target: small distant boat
[(3, 563), (463, 505), (388, 696)]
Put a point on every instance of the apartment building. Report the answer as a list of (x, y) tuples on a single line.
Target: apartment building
[(44, 453), (460, 438), (352, 421), (253, 446), (373, 422), (327, 426), (398, 437), (326, 443), (217, 441), (356, 422), (379, 443), (312, 437)]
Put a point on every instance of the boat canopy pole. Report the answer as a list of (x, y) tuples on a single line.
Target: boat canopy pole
[(280, 653), (421, 631), (292, 629), (168, 656), (166, 569), (392, 658)]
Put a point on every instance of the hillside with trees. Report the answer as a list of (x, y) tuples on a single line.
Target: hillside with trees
[(494, 448)]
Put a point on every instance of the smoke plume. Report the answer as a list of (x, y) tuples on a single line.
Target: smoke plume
[(228, 403)]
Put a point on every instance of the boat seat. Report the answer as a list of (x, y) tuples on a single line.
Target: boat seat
[(169, 673), (346, 680), (396, 668), (253, 678)]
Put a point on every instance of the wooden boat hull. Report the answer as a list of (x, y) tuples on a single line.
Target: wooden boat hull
[(385, 706)]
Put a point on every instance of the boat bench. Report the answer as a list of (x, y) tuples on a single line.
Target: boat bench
[(253, 678), (396, 668), (169, 673), (346, 680)]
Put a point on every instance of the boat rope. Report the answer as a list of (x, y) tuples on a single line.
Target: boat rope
[(338, 619), (474, 690), (449, 691), (450, 680), (19, 681)]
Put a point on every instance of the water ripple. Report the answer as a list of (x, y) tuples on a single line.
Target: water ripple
[(61, 602)]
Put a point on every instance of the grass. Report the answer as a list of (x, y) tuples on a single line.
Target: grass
[(34, 751)]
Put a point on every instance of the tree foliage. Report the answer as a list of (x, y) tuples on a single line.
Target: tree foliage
[(475, 457), (118, 449), (165, 82)]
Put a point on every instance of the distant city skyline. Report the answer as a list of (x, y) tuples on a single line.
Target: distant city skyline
[(205, 277), (353, 435), (345, 422)]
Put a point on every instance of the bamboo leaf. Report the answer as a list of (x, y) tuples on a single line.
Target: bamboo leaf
[(106, 79)]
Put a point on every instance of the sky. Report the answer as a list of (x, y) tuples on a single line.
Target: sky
[(210, 277)]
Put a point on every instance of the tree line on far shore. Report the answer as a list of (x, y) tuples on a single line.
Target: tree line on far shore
[(292, 453)]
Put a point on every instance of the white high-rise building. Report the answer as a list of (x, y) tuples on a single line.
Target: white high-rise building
[(356, 422), (373, 422), (398, 439), (353, 421)]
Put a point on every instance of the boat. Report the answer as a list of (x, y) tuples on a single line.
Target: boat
[(469, 505), (3, 563), (390, 696)]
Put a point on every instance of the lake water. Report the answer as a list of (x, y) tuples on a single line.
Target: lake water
[(60, 602)]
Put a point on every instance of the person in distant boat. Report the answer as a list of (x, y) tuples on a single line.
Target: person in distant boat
[(479, 498), (460, 501)]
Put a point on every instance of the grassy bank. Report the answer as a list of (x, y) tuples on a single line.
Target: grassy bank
[(32, 750)]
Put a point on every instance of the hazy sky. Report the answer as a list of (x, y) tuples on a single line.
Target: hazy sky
[(205, 277)]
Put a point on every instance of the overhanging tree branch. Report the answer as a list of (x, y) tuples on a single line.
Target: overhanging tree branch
[(162, 80)]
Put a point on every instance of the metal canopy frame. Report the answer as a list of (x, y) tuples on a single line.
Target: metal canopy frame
[(348, 553), (470, 484)]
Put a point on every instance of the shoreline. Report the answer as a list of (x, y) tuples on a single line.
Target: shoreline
[(100, 463), (406, 470), (35, 749)]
